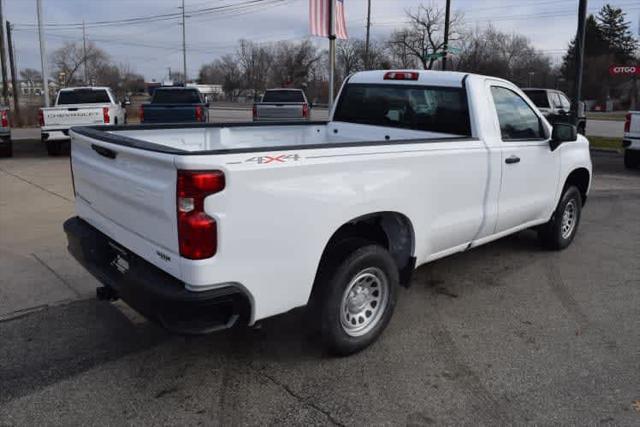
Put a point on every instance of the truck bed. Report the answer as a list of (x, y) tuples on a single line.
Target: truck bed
[(248, 137)]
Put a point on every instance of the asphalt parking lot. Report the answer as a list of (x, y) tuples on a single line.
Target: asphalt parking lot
[(503, 334)]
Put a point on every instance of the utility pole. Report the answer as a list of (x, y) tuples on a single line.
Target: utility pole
[(14, 77), (332, 49), (580, 37), (43, 54), (3, 60), (366, 44), (184, 46), (84, 54), (447, 18)]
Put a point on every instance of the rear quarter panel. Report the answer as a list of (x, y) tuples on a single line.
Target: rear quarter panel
[(275, 217)]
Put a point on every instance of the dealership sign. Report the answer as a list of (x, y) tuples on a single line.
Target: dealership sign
[(624, 70)]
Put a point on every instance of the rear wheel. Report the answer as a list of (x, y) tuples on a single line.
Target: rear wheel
[(559, 232), (631, 159), (357, 291), (54, 148), (6, 147)]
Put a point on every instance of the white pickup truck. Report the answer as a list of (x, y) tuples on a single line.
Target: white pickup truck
[(197, 226), (631, 141), (78, 106)]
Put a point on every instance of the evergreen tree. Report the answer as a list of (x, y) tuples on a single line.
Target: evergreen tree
[(596, 55), (615, 31)]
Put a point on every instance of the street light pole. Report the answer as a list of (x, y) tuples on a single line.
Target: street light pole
[(332, 49), (43, 55), (580, 38), (447, 18), (366, 44), (184, 46)]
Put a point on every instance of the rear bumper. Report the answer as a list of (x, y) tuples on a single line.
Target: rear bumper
[(155, 294), (55, 134), (631, 143)]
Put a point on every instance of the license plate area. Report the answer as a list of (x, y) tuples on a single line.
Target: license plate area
[(119, 258)]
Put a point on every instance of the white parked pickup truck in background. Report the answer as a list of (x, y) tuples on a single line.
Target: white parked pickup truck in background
[(78, 106), (631, 140), (199, 226)]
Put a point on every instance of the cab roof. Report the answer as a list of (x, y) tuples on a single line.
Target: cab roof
[(425, 77)]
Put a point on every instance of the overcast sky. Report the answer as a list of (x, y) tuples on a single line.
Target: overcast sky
[(151, 47)]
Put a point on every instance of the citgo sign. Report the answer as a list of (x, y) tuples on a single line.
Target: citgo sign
[(624, 70)]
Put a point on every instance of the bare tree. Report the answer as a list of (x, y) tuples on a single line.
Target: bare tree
[(510, 56), (255, 63), (423, 39), (30, 75), (67, 62), (293, 63)]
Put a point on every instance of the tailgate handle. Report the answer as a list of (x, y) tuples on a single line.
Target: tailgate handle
[(72, 109), (104, 152)]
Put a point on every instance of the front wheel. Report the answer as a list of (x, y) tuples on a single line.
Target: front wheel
[(631, 159), (358, 291), (559, 232)]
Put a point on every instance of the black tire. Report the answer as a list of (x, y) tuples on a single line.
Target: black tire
[(631, 159), (559, 232), (54, 148), (374, 268), (6, 148)]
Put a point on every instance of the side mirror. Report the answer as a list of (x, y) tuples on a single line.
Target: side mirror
[(562, 132), (126, 102), (207, 104)]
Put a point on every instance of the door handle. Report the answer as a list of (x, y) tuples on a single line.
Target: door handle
[(103, 151), (512, 159)]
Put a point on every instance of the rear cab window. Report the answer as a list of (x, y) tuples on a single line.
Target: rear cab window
[(83, 96), (423, 108), (176, 96), (283, 96), (539, 97)]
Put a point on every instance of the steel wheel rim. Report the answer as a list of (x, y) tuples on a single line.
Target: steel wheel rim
[(569, 219), (364, 302)]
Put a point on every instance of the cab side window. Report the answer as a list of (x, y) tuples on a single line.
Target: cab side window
[(517, 120), (555, 98)]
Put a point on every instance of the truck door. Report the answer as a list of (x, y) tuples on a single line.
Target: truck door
[(530, 170)]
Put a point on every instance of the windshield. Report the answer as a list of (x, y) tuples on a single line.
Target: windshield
[(433, 109), (539, 97), (83, 96), (176, 96), (283, 96)]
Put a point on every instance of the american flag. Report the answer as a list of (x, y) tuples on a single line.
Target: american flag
[(319, 19)]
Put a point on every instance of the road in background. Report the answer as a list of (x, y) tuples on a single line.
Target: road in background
[(607, 128), (503, 334)]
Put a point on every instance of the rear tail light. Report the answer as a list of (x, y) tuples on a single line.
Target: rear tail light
[(197, 231), (5, 119), (401, 75), (627, 123), (41, 117), (254, 111), (305, 111), (141, 114), (105, 115), (198, 114)]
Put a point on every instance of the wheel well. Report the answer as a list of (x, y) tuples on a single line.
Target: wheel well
[(579, 178), (391, 230)]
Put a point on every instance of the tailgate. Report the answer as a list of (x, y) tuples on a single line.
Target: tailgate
[(130, 195), (73, 116), (279, 111), (634, 129), (169, 113)]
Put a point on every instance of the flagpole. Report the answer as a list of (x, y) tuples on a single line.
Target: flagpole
[(332, 49)]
